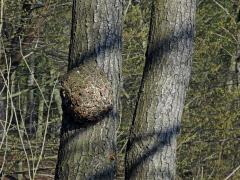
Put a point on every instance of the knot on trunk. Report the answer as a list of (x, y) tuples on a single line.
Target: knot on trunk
[(86, 92)]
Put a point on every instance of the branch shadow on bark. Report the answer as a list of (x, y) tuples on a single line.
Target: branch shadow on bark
[(70, 125), (157, 50), (109, 44), (101, 175), (161, 139), (71, 129), (75, 60), (156, 57)]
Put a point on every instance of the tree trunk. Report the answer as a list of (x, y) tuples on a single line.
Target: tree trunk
[(31, 102), (237, 59), (88, 151), (151, 150), (2, 106), (40, 126)]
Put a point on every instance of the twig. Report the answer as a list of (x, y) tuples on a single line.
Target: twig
[(232, 173), (1, 17), (126, 10), (23, 91), (15, 114), (224, 9), (45, 133), (29, 69)]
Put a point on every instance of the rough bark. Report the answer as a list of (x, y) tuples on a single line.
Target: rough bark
[(87, 150), (151, 150)]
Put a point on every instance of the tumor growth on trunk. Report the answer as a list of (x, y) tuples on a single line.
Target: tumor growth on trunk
[(87, 93)]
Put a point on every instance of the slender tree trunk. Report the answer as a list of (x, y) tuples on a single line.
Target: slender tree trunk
[(237, 59), (88, 152), (20, 168), (2, 116), (2, 106), (237, 65), (40, 126), (31, 101), (23, 110), (58, 101), (151, 150)]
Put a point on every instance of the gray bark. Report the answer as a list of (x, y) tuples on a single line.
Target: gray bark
[(151, 150), (87, 151)]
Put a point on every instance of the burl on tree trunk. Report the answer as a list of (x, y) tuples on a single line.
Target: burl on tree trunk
[(87, 93)]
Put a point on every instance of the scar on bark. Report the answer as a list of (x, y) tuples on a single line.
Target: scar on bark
[(86, 93)]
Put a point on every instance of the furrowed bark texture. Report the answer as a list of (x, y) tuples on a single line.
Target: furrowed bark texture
[(87, 151), (151, 150)]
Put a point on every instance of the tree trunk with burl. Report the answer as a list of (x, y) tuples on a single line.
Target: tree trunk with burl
[(151, 149), (90, 92)]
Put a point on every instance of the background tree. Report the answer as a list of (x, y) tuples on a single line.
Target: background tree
[(151, 150), (88, 150), (210, 126), (236, 15)]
